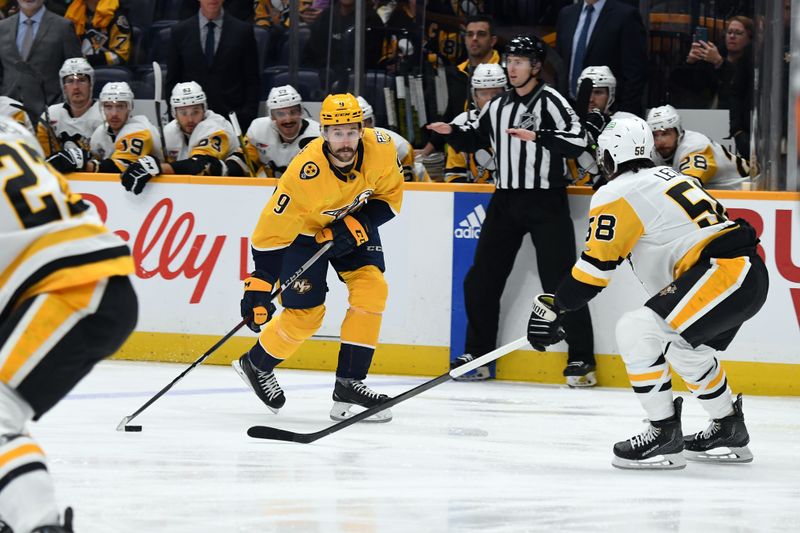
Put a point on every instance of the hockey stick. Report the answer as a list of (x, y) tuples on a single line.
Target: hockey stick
[(582, 100), (266, 432), (157, 79), (237, 129), (321, 252)]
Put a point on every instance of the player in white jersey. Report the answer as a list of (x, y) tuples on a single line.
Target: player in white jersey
[(272, 142), (197, 140), (65, 303), (73, 121), (488, 80), (118, 143), (14, 110), (704, 279), (692, 153), (412, 171), (597, 116)]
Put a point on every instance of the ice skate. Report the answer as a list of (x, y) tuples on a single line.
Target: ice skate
[(479, 374), (659, 447), (724, 441), (580, 374), (353, 394), (262, 383)]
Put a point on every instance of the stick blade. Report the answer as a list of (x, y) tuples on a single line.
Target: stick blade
[(269, 433), (123, 423), (584, 95)]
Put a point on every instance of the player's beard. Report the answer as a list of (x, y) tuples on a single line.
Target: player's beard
[(345, 155)]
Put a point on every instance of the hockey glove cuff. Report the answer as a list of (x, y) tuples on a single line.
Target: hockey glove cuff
[(257, 301), (347, 234), (544, 324), (69, 160), (136, 176)]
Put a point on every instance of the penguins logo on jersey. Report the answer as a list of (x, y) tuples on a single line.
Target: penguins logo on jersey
[(310, 170), (342, 212), (669, 289)]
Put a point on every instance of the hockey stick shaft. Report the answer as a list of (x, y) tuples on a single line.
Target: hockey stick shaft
[(158, 95), (265, 432), (321, 252), (237, 129)]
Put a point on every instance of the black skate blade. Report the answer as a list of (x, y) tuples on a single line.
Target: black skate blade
[(270, 433)]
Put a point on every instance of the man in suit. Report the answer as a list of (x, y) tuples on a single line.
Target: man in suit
[(34, 44), (218, 51), (604, 32)]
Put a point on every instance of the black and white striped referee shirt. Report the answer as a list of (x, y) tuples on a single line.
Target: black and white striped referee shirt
[(539, 164)]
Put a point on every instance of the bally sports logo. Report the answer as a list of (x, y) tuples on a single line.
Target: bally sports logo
[(470, 226)]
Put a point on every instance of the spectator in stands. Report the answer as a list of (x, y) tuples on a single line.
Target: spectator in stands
[(33, 45), (8, 8), (225, 63), (480, 39), (733, 71), (604, 32), (334, 49), (103, 29), (73, 121), (271, 16)]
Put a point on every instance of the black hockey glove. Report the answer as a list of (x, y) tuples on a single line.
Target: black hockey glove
[(257, 300), (69, 160), (139, 173), (544, 325), (594, 123), (347, 234)]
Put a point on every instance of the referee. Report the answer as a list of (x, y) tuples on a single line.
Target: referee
[(530, 129)]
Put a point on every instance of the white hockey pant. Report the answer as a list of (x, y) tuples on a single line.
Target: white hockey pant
[(649, 346)]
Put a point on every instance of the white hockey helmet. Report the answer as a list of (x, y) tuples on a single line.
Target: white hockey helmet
[(624, 140), (366, 109), (13, 131), (282, 97), (664, 118), (76, 66), (186, 94), (601, 77), (489, 76), (117, 91)]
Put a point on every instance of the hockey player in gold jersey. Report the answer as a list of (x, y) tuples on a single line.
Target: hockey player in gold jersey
[(103, 30), (704, 278), (340, 188), (691, 152), (65, 303)]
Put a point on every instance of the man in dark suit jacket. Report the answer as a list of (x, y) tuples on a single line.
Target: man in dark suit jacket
[(229, 73), (25, 66), (616, 37)]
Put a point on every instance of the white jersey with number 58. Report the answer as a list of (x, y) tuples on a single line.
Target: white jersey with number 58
[(663, 219)]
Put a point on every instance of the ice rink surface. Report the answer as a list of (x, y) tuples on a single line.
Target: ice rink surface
[(483, 457)]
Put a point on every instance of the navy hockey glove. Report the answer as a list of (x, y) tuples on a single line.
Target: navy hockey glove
[(257, 301), (544, 325), (139, 173), (69, 160), (347, 234)]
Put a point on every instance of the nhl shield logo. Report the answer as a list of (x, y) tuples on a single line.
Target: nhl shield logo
[(669, 289), (528, 121)]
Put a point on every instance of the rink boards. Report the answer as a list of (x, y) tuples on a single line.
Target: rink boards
[(189, 237)]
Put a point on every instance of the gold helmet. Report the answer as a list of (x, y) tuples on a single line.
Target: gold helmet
[(340, 109)]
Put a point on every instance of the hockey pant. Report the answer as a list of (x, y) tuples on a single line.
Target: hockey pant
[(48, 344), (284, 335), (683, 326)]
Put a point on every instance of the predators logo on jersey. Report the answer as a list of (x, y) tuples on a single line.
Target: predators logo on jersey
[(357, 202)]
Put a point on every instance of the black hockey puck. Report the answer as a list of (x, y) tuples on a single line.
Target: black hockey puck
[(133, 428)]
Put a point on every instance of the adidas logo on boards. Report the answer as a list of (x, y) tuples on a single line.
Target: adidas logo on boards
[(470, 227)]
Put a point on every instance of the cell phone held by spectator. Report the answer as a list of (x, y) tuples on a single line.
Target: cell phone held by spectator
[(700, 34)]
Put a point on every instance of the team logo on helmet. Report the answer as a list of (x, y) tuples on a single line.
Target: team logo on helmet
[(310, 170)]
